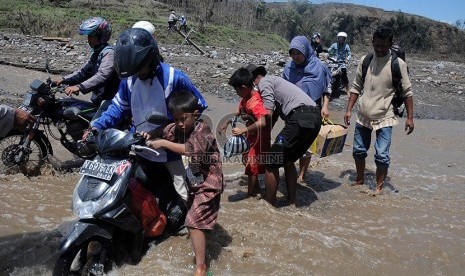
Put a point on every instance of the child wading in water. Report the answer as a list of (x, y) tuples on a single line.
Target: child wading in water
[(191, 137), (251, 109)]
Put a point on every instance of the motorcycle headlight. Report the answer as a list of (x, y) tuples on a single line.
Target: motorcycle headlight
[(93, 208), (30, 99)]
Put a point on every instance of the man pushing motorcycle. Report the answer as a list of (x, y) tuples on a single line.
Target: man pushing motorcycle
[(146, 86)]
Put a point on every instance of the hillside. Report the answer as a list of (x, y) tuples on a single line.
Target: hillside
[(238, 24), (418, 35)]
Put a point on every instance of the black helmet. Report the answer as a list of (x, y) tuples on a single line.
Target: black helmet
[(134, 48)]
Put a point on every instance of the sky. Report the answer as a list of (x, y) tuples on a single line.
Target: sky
[(448, 11)]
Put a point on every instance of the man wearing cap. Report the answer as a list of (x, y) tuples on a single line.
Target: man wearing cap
[(302, 120)]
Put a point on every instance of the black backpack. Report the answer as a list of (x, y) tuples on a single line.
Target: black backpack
[(397, 100)]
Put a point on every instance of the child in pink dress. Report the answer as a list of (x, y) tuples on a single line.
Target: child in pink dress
[(191, 137)]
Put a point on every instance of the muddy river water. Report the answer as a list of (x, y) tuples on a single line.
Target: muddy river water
[(416, 227)]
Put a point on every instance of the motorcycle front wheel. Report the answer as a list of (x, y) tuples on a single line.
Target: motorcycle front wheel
[(31, 159), (87, 259)]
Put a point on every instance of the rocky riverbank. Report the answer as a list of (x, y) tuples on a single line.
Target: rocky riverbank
[(438, 86)]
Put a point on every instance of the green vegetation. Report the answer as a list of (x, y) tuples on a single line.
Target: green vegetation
[(460, 24), (62, 18), (411, 33), (245, 24)]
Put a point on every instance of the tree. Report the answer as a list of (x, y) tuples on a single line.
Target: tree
[(460, 24)]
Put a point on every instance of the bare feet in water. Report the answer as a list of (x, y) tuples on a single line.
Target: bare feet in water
[(377, 192), (257, 193), (200, 270), (356, 183)]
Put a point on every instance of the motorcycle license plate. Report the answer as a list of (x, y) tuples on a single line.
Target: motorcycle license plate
[(97, 169)]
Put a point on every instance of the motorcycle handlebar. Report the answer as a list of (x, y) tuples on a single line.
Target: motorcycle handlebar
[(54, 88), (138, 148), (336, 61), (332, 59), (138, 141), (59, 88)]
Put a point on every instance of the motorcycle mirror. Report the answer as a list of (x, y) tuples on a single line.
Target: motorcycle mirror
[(157, 118), (72, 113)]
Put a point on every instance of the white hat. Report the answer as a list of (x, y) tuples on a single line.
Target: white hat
[(145, 25)]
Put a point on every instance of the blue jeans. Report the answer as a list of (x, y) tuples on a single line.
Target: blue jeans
[(362, 139)]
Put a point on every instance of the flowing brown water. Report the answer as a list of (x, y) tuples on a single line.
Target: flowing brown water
[(415, 228)]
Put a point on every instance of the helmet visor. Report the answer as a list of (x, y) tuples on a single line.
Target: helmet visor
[(129, 60), (86, 32)]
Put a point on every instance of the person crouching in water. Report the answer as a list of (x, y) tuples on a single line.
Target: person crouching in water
[(191, 137), (302, 122)]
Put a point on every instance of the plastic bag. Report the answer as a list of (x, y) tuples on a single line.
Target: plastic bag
[(144, 206), (235, 145)]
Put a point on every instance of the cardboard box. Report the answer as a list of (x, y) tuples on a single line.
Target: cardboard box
[(330, 140)]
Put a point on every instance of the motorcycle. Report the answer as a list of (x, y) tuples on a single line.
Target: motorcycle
[(338, 69), (26, 151), (107, 229)]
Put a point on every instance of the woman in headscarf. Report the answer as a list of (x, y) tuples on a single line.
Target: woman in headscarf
[(307, 72)]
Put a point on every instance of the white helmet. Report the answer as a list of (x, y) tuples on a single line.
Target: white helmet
[(145, 25), (343, 34)]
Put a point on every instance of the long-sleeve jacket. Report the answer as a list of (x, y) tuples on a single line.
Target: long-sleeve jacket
[(169, 79), (7, 118), (138, 98), (377, 90), (340, 52), (97, 75), (172, 17)]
